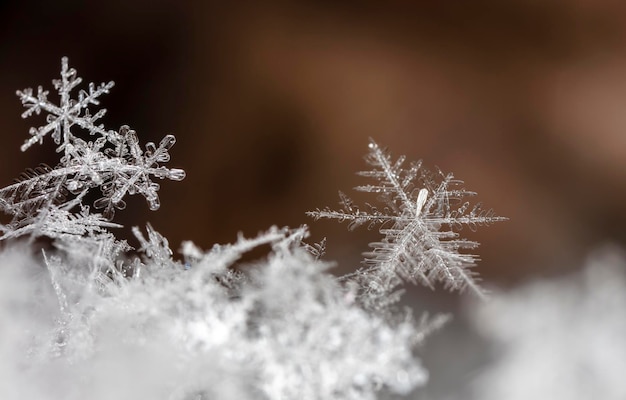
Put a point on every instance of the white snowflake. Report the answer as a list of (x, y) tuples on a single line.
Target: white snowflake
[(105, 159), (422, 210), (68, 113)]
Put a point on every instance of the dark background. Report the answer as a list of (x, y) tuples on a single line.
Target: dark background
[(273, 103)]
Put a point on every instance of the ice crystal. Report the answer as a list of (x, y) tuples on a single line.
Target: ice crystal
[(287, 329), (109, 160), (421, 213)]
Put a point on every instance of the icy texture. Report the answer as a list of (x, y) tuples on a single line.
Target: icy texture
[(287, 330), (561, 339), (88, 318), (421, 212), (109, 160)]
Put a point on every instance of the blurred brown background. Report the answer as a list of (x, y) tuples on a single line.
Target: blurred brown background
[(273, 103)]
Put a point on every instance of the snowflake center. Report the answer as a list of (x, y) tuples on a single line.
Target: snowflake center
[(421, 200)]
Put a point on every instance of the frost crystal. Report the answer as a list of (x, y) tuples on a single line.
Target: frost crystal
[(285, 330), (109, 160), (422, 210)]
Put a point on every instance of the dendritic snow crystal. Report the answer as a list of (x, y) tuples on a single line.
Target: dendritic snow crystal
[(109, 160), (421, 213)]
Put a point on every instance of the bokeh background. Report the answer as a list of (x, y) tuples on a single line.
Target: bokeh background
[(273, 104)]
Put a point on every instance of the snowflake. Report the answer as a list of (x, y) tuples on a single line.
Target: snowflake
[(62, 117), (109, 160), (422, 210)]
